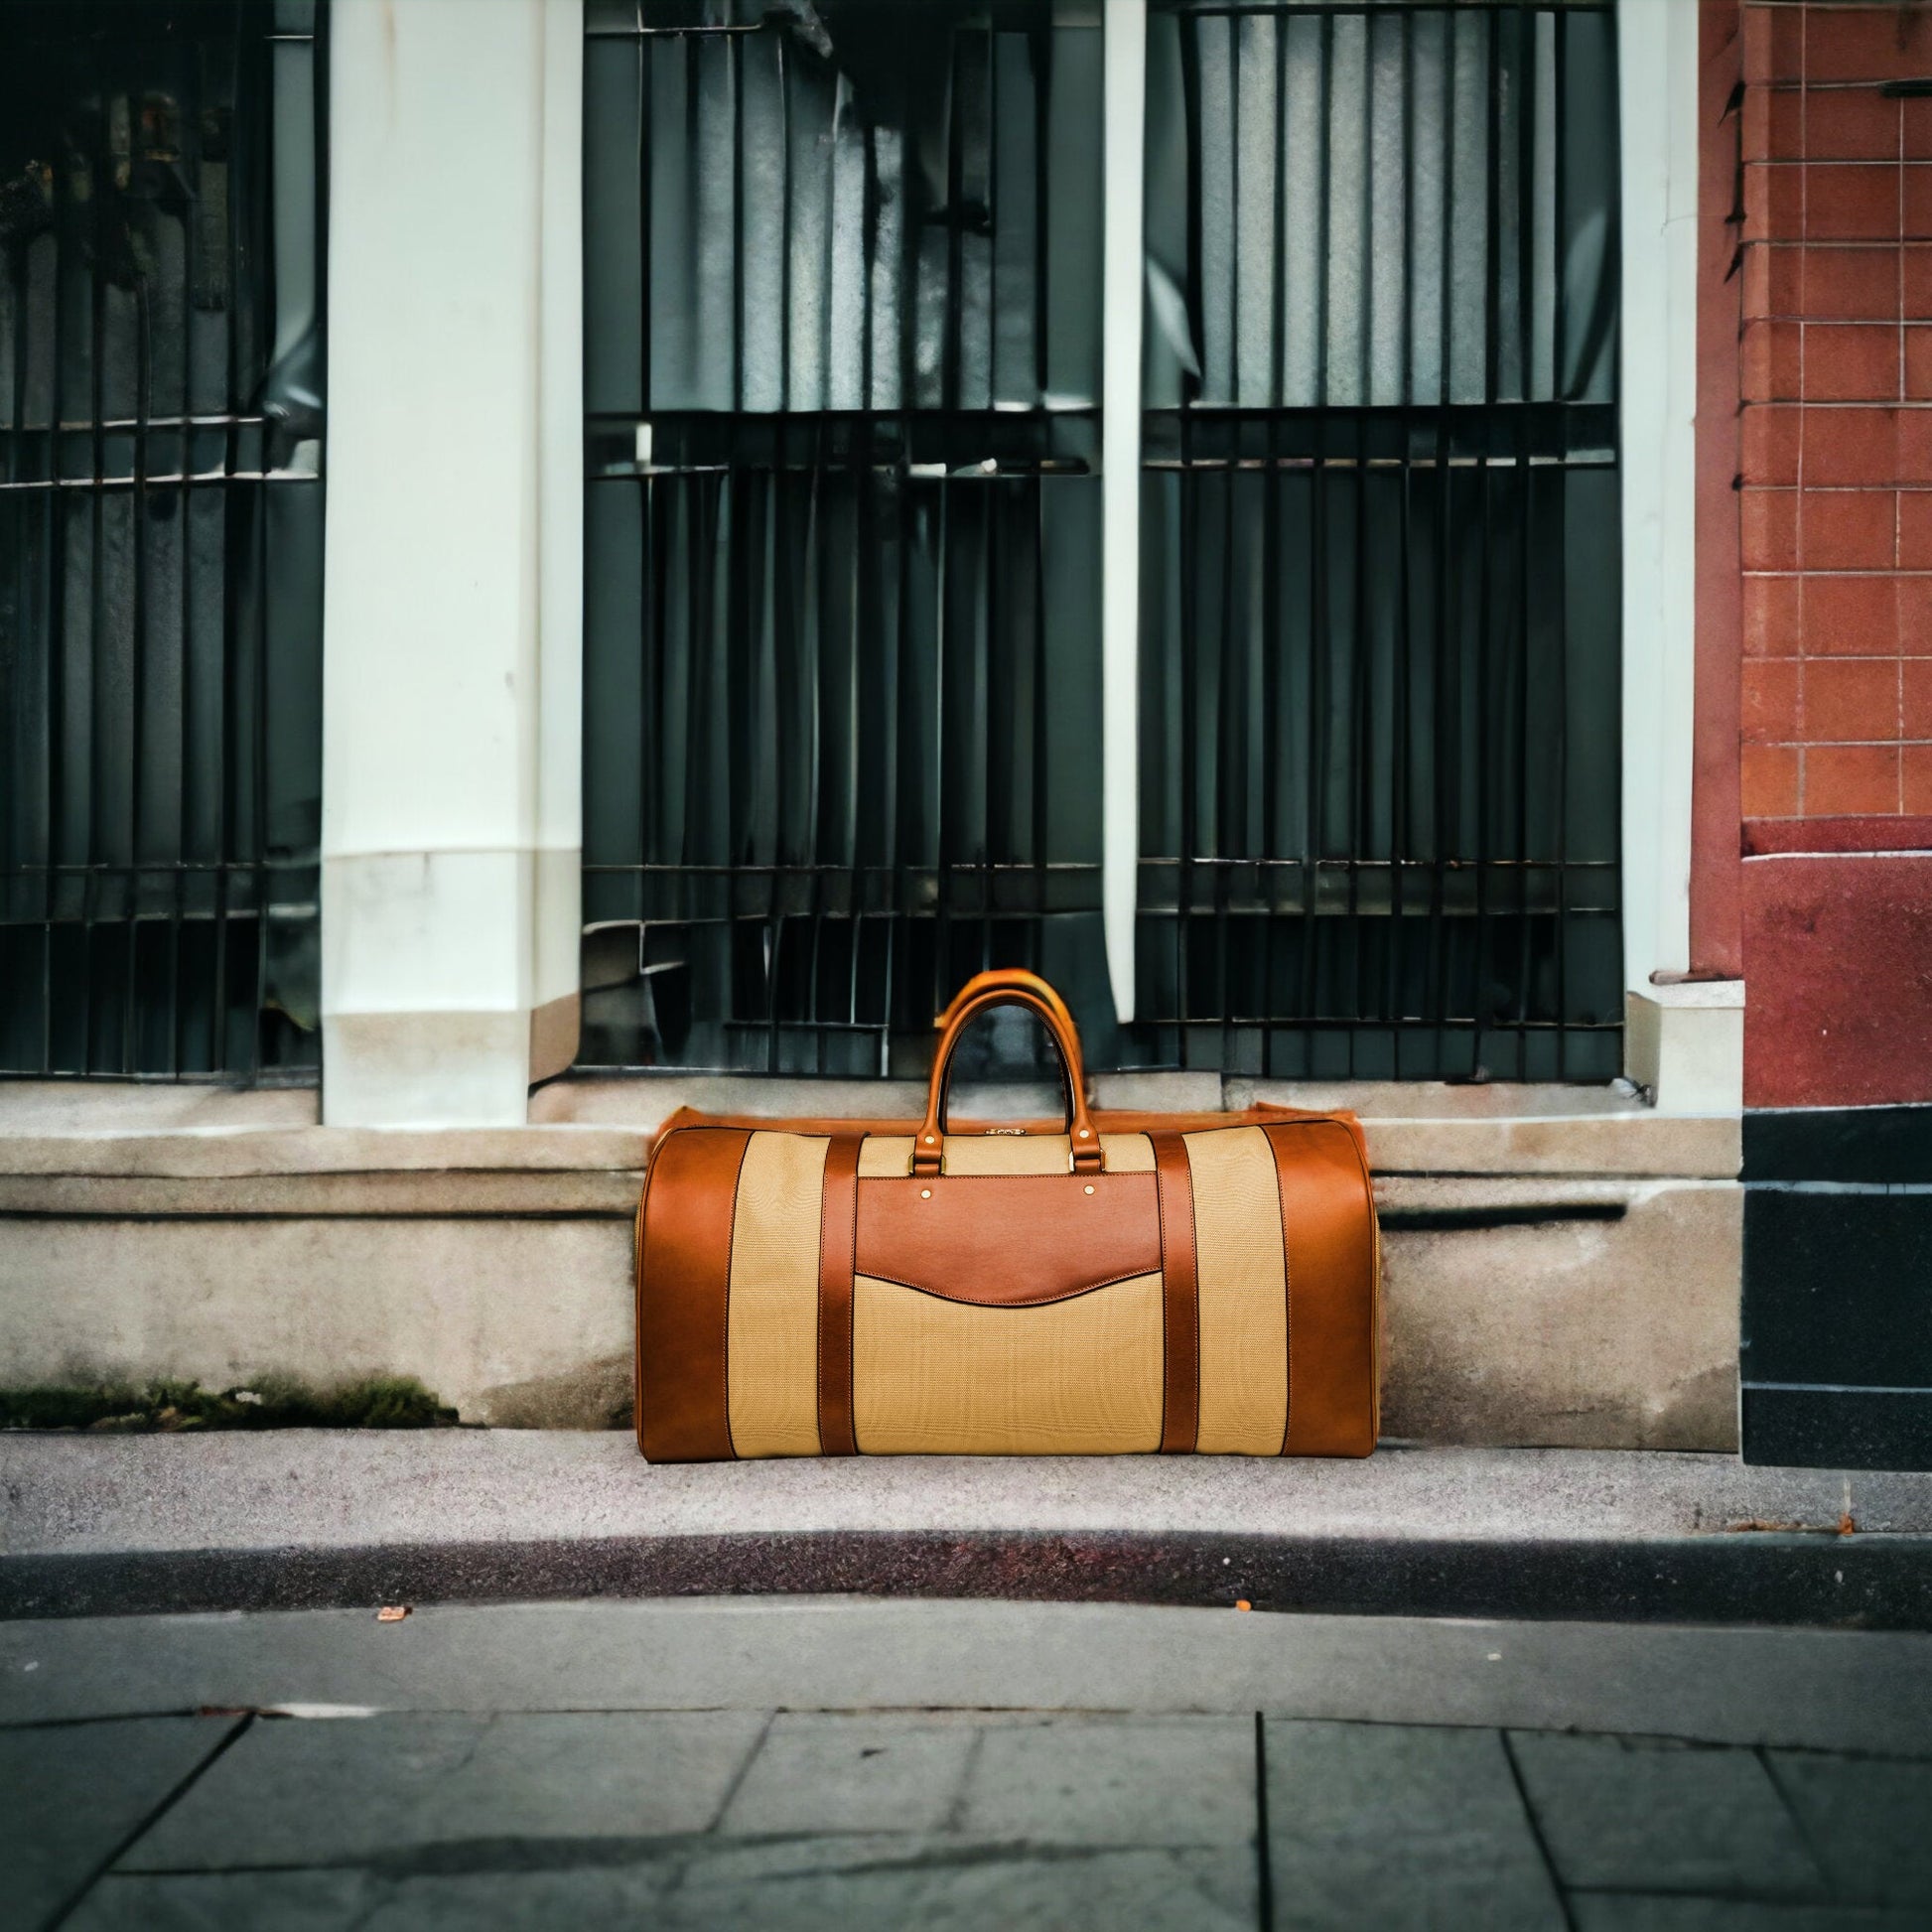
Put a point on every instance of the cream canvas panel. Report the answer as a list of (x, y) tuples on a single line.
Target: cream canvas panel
[(1243, 1293), (772, 1317), (1080, 1377), (886, 1156)]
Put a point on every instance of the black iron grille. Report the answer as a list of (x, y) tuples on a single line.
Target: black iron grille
[(842, 678), (843, 540), (1380, 551), (161, 421)]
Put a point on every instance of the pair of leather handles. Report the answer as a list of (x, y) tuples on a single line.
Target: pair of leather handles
[(980, 993)]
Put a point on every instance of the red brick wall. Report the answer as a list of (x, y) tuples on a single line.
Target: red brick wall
[(1836, 366), (1832, 223)]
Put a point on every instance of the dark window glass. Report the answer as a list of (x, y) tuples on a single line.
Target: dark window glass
[(161, 421), (842, 740), (1380, 568)]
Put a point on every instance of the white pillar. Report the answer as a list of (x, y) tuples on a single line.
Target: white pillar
[(1685, 1044), (449, 770), (1657, 43), (1123, 279), (560, 521)]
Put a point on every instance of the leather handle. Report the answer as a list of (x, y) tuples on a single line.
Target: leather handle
[(980, 993)]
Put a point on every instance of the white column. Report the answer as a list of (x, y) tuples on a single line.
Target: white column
[(1123, 274), (443, 762), (560, 507), (1685, 1044), (1657, 44)]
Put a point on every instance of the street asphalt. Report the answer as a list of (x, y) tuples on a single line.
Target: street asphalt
[(849, 1765)]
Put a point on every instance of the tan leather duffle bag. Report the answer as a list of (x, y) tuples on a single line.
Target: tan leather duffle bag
[(1119, 1283)]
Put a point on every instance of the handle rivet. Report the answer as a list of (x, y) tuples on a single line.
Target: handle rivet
[(928, 1140), (1083, 1133), (1090, 1186), (925, 1193)]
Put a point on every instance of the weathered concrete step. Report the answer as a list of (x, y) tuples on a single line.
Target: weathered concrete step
[(1562, 1266), (298, 1519)]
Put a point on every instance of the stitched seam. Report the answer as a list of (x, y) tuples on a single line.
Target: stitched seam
[(731, 1244), (1194, 1232), (1030, 1301), (1167, 1340), (1288, 1295), (852, 1313), (1115, 1173), (824, 1196)]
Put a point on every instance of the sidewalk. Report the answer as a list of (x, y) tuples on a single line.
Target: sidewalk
[(295, 1519), (438, 1782)]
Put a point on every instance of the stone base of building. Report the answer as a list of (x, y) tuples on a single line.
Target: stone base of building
[(1563, 1268)]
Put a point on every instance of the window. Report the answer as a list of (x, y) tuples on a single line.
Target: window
[(842, 525), (843, 343), (1380, 557), (161, 385)]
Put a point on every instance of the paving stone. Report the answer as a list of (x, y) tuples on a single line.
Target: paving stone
[(1868, 1819), (1396, 1825), (1149, 1781), (585, 1900), (1634, 1912), (315, 1792), (947, 1884), (837, 1773), (1645, 1815), (73, 1792), (229, 1901)]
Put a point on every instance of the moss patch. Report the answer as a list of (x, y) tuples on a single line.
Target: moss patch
[(375, 1402)]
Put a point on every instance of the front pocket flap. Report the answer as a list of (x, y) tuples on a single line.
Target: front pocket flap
[(1009, 1240)]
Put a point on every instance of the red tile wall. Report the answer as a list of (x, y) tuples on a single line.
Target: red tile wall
[(1815, 572), (1836, 431)]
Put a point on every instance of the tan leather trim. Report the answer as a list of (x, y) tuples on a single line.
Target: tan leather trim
[(885, 1157), (1009, 1240), (837, 1238), (1080, 1377), (1329, 1218), (771, 1318), (1180, 1303), (981, 1153), (1244, 1382), (1127, 1153), (684, 1246), (888, 1156)]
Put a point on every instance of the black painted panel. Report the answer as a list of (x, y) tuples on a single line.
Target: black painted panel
[(1847, 1428), (1869, 1144), (1838, 1287)]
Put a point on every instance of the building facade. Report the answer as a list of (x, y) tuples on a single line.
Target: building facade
[(1375, 545)]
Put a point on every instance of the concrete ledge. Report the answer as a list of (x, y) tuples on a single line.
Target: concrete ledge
[(1518, 1310), (1562, 1266), (582, 1122), (96, 1526)]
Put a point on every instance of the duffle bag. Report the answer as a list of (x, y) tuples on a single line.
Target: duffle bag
[(1114, 1284)]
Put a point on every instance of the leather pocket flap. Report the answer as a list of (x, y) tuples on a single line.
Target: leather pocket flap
[(1008, 1240)]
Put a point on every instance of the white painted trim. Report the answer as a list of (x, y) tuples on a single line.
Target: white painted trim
[(1120, 596), (1657, 43), (559, 697)]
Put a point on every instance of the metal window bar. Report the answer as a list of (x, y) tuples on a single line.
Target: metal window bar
[(842, 740), (1380, 633), (161, 421)]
